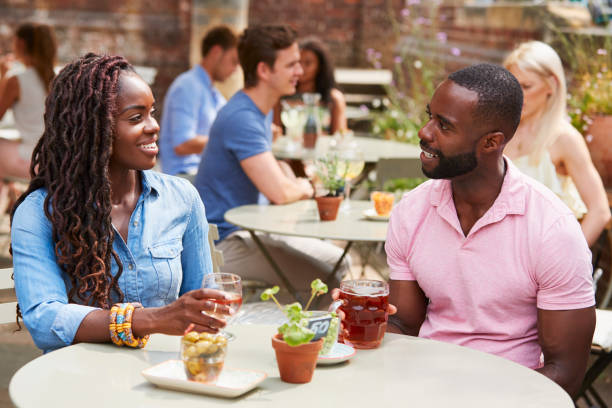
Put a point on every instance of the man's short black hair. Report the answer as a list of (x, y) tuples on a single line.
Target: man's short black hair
[(219, 35), (500, 97)]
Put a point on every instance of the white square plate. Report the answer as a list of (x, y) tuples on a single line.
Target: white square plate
[(231, 382)]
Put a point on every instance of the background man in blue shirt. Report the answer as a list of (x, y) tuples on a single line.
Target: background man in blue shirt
[(238, 165), (192, 103)]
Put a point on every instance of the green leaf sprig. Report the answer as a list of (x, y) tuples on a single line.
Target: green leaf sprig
[(295, 331)]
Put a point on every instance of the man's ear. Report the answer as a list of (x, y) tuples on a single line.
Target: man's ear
[(493, 141), (263, 71)]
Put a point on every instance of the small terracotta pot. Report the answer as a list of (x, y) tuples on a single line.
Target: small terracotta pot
[(296, 363), (328, 207)]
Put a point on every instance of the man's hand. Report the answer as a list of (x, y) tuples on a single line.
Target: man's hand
[(335, 293)]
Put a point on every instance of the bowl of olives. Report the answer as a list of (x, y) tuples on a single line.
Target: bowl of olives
[(203, 355)]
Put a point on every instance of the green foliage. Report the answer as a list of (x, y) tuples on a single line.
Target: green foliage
[(295, 331), (589, 62), (417, 69), (402, 184), (332, 174)]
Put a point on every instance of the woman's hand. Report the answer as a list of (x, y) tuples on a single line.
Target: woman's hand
[(197, 307)]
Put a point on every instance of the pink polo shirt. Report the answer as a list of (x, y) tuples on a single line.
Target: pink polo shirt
[(526, 252)]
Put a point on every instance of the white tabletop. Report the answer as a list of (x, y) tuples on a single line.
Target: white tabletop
[(404, 371), (301, 218), (373, 149)]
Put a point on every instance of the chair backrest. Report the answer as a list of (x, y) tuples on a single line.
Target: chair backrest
[(7, 286), (215, 254)]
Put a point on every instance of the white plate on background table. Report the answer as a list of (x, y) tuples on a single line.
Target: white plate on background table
[(340, 352), (231, 382), (371, 214)]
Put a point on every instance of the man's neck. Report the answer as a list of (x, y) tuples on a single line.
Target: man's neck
[(207, 66), (479, 189), (263, 97)]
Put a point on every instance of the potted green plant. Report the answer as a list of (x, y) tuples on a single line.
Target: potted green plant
[(331, 172), (296, 352)]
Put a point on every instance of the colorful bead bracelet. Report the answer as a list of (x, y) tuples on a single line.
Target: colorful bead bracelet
[(120, 326)]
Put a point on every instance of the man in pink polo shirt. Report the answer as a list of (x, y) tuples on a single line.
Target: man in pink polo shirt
[(483, 256)]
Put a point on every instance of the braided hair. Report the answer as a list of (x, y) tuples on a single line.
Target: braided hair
[(71, 162)]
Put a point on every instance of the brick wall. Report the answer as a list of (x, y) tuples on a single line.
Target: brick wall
[(350, 27), (152, 33)]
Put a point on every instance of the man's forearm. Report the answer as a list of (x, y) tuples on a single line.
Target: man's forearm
[(555, 372), (192, 146), (396, 325)]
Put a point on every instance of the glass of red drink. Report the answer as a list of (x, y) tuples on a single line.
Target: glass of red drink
[(365, 304), (231, 285)]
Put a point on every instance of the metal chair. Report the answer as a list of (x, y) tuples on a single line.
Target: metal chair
[(601, 348)]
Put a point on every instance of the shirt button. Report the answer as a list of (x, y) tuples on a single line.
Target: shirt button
[(131, 266), (135, 223)]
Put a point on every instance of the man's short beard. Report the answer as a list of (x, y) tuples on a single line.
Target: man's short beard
[(452, 166)]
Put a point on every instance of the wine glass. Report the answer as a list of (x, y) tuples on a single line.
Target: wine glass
[(231, 285), (350, 166), (293, 118)]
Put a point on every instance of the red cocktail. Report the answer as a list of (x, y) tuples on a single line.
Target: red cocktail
[(365, 304)]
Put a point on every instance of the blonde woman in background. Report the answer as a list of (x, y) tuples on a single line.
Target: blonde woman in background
[(546, 146), (25, 92)]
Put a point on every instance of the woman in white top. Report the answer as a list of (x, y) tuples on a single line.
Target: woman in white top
[(25, 92), (546, 146)]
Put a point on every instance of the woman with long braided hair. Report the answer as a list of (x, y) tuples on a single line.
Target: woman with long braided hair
[(96, 226)]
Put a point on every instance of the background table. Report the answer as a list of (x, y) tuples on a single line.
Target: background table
[(373, 149), (301, 218), (404, 371)]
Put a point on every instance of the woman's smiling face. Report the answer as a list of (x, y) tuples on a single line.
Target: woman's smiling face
[(136, 130)]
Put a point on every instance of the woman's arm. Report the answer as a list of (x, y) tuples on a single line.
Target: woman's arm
[(338, 112), (9, 93), (580, 168)]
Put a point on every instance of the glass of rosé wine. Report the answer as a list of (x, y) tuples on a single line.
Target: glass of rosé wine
[(231, 285)]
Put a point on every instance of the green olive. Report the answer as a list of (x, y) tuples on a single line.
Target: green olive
[(204, 346), (191, 351), (191, 337), (206, 336)]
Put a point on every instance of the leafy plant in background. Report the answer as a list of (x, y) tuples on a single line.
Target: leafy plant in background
[(590, 84), (296, 331), (329, 173), (417, 69)]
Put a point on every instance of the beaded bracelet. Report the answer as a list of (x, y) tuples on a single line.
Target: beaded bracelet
[(112, 326), (129, 338), (121, 326)]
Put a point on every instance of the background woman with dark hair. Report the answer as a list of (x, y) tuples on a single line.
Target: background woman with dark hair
[(96, 227), (318, 77), (25, 92)]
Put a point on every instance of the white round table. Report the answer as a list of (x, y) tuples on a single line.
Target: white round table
[(404, 371), (301, 218)]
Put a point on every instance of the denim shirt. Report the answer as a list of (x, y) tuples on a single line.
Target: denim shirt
[(166, 255)]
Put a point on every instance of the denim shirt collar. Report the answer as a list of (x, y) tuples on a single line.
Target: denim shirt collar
[(150, 185)]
